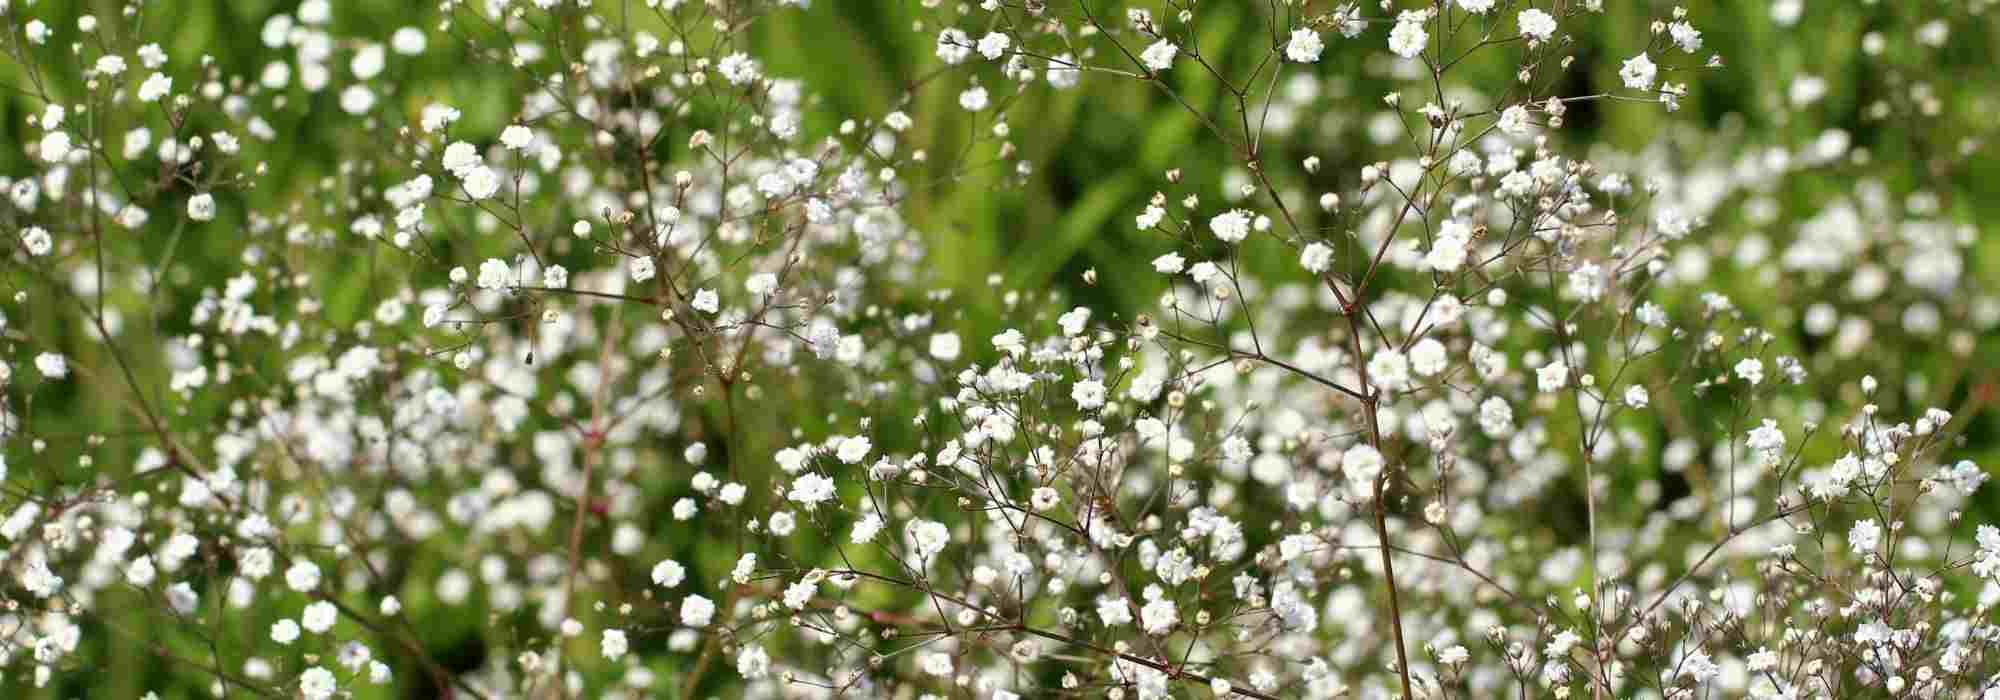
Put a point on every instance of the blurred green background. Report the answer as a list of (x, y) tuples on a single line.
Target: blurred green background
[(1097, 153)]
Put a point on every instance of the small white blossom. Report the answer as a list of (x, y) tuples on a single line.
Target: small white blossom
[(1160, 55), (1304, 46)]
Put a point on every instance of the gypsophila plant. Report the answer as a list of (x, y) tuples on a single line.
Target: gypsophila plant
[(614, 348)]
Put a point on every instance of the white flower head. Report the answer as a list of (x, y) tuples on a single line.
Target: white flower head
[(1537, 24), (1231, 226), (1316, 257), (1160, 55), (1408, 38), (1304, 46), (1638, 72)]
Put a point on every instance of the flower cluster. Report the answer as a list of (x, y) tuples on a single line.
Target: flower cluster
[(583, 337)]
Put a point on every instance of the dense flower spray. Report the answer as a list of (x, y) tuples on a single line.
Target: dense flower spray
[(656, 374)]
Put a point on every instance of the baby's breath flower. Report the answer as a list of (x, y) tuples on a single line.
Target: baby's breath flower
[(1408, 38), (1638, 72), (1231, 226), (1304, 46), (1537, 24), (1160, 55)]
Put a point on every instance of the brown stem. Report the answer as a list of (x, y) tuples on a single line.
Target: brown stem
[(1368, 407)]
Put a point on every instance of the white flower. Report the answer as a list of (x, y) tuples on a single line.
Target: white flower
[(1231, 226), (1045, 498), (1685, 36), (800, 593), (1636, 396), (516, 137), (753, 663), (1304, 47), (182, 598), (1477, 7), (408, 41), (854, 449), (1552, 376), (1063, 72), (55, 146), (152, 56), (201, 207), (353, 655), (953, 46), (303, 576), (1537, 24), (1088, 394), (1769, 442), (1074, 321), (761, 284), (155, 87), (52, 365), (668, 573), (1316, 258), (39, 580), (1864, 537), (494, 274), (460, 158), (482, 183), (1762, 660), (141, 572), (1169, 264), (317, 683), (368, 62), (1113, 611), (1751, 370), (945, 346), (437, 116), (1149, 218), (614, 644), (38, 241), (738, 68), (1515, 121), (929, 537), (1159, 616), (285, 631), (811, 489), (706, 301), (1496, 418), (937, 663), (973, 99), (1389, 370), (697, 611), (1428, 357), (1408, 38), (866, 529), (319, 617), (1159, 56), (357, 101), (1361, 465), (1638, 72), (1449, 249), (555, 277), (994, 45), (642, 268), (1587, 282)]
